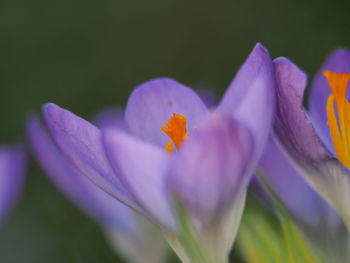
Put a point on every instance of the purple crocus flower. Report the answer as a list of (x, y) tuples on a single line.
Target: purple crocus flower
[(127, 231), (174, 146), (309, 139), (12, 173)]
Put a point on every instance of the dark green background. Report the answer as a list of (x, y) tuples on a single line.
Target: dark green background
[(85, 55)]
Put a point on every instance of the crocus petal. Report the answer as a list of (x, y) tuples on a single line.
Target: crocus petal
[(298, 197), (12, 173), (81, 142), (332, 181), (152, 103), (142, 167), (78, 188), (109, 118), (209, 169), (250, 97), (338, 61), (292, 126)]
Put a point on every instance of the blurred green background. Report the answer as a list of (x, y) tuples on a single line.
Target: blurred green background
[(86, 55)]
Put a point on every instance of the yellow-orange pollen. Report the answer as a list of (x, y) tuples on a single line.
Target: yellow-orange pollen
[(176, 130), (339, 120)]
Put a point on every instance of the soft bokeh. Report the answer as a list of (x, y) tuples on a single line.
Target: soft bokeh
[(87, 55)]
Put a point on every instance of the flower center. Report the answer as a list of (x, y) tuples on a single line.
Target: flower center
[(176, 130), (339, 120)]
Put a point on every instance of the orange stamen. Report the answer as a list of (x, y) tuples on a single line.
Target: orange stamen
[(339, 121), (176, 130)]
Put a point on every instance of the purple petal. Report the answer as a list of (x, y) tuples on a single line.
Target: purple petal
[(110, 118), (250, 98), (292, 127), (142, 166), (152, 103), (12, 175), (78, 188), (338, 61), (211, 167), (81, 142), (298, 197)]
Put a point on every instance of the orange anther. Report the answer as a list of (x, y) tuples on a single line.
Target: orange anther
[(176, 130)]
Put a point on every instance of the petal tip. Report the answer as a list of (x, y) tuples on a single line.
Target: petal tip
[(49, 109), (259, 46), (260, 58), (48, 106), (260, 50), (282, 60), (340, 51), (286, 67), (162, 81)]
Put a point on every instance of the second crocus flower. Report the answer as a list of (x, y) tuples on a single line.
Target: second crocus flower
[(181, 165), (314, 142)]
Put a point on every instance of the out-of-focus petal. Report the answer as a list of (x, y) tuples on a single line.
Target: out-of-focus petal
[(250, 98), (338, 61), (298, 197), (12, 174), (110, 118), (153, 103), (292, 126), (145, 244), (142, 167), (208, 171), (81, 142), (78, 188)]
